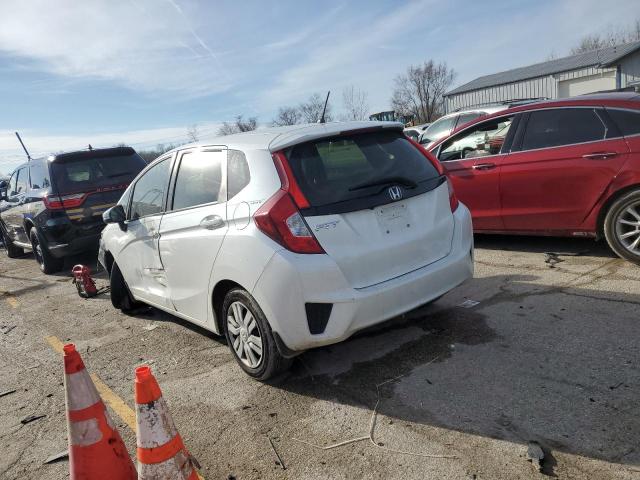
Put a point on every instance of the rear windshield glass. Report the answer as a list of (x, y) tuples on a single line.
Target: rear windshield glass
[(340, 168), (92, 173)]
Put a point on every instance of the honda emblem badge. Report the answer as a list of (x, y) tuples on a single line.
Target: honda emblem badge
[(395, 192)]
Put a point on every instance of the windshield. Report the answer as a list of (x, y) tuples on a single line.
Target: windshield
[(354, 166), (91, 173)]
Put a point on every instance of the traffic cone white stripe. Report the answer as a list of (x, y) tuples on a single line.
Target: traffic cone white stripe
[(84, 433), (155, 426), (81, 392), (178, 467)]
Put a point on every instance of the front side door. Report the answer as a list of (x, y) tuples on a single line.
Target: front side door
[(138, 257), (564, 161), (192, 230), (472, 160), (14, 208)]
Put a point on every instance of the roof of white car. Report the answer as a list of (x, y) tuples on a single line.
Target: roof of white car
[(277, 138)]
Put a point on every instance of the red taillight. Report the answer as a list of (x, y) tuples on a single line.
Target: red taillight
[(280, 220), (59, 202), (288, 181), (453, 200)]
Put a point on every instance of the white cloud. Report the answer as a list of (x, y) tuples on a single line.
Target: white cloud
[(11, 154), (141, 44)]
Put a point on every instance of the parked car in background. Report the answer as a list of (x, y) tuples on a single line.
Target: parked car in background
[(561, 168), (288, 238), (414, 132), (54, 205), (446, 124)]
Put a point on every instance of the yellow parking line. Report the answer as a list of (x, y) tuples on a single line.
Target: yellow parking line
[(117, 404)]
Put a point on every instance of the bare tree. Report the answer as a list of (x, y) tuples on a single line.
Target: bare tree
[(193, 134), (419, 93), (354, 102), (238, 126), (287, 116), (311, 110), (608, 38)]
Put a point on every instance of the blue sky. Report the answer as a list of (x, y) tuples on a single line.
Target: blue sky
[(142, 71)]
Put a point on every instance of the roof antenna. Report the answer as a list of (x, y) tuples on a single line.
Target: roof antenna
[(23, 147), (90, 147), (324, 110)]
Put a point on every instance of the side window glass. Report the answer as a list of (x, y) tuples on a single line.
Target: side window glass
[(149, 191), (438, 129), (21, 181), (563, 126), (39, 175), (482, 140), (466, 118), (13, 188), (199, 179), (627, 121), (238, 175)]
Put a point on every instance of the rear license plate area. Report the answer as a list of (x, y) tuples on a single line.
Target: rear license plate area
[(392, 218)]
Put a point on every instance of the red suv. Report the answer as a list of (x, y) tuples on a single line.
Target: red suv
[(560, 168)]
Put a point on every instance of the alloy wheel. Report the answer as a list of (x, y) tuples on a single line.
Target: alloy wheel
[(244, 334), (628, 227)]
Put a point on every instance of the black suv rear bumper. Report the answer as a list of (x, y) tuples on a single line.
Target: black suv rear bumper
[(75, 246)]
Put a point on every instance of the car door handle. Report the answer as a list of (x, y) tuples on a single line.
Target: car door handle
[(212, 222), (484, 166), (600, 155)]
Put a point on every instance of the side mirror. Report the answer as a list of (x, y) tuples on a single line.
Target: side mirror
[(114, 215)]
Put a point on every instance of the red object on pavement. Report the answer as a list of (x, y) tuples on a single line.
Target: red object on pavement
[(83, 281)]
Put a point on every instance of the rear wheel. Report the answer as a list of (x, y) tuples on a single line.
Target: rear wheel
[(249, 336), (11, 249), (622, 226), (120, 295), (47, 262)]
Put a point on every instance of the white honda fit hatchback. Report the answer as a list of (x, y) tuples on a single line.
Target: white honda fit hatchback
[(288, 238)]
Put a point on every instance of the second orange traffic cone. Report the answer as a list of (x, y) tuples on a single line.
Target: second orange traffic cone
[(96, 451), (161, 452)]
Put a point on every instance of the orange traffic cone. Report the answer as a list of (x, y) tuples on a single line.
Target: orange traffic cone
[(96, 450), (161, 453)]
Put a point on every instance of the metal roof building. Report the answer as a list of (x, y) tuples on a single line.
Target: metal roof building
[(605, 69)]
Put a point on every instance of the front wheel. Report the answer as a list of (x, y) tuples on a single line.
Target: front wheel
[(121, 297), (249, 336), (622, 226), (47, 262), (11, 249)]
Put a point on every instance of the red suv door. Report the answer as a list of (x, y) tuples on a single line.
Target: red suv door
[(564, 161), (472, 160)]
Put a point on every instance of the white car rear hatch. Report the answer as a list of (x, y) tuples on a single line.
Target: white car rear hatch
[(377, 205)]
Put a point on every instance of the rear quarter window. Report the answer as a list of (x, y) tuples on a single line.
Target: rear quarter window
[(335, 169), (627, 121)]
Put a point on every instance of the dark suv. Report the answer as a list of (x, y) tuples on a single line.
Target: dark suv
[(54, 205)]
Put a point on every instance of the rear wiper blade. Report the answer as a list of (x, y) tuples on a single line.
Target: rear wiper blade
[(404, 181)]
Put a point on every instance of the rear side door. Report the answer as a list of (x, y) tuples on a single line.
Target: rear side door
[(139, 258), (472, 159), (564, 161), (193, 228), (14, 209)]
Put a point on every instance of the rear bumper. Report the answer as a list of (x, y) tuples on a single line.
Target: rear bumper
[(76, 246), (291, 280)]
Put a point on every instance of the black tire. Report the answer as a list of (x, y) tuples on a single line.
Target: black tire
[(120, 295), (271, 363), (11, 250), (619, 222), (47, 262)]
